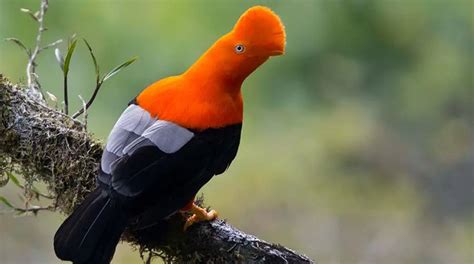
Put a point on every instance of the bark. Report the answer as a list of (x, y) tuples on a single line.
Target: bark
[(44, 145)]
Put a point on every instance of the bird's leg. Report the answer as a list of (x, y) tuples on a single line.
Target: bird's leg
[(199, 214)]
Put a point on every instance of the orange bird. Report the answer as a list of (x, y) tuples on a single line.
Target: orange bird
[(171, 140)]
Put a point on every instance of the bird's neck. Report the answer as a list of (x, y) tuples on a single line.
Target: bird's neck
[(198, 99), (212, 68)]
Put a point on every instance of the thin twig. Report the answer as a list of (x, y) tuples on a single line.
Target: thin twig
[(33, 83), (44, 195), (50, 45), (84, 108), (66, 103), (34, 209), (100, 81), (91, 100)]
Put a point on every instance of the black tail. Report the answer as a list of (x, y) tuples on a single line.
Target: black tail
[(92, 232)]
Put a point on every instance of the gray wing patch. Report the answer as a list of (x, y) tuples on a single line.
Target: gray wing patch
[(137, 128), (167, 136), (135, 119), (131, 124), (118, 139), (107, 159)]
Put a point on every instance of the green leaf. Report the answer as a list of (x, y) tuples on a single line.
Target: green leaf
[(67, 60), (14, 180), (118, 68), (71, 39), (97, 73), (6, 202), (59, 58), (29, 12), (19, 43)]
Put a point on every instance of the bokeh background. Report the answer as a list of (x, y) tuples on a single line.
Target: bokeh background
[(358, 144)]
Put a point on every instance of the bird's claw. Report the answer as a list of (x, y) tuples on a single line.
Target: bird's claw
[(199, 215)]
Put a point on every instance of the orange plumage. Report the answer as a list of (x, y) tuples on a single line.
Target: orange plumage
[(208, 94), (180, 132)]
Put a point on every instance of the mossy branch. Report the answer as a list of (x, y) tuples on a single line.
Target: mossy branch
[(43, 144)]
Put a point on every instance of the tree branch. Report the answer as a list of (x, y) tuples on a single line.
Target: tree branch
[(43, 144)]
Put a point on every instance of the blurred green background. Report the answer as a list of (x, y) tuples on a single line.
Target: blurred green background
[(357, 145)]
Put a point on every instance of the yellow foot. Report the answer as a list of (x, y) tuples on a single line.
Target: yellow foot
[(199, 215)]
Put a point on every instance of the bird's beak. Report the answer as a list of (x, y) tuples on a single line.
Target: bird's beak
[(277, 47), (277, 52)]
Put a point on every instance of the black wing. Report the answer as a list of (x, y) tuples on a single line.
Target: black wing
[(149, 162)]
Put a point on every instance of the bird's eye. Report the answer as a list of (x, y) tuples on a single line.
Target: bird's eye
[(239, 48)]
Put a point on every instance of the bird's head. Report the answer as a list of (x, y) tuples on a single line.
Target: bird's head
[(257, 35)]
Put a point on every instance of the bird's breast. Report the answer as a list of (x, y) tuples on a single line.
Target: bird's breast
[(194, 107)]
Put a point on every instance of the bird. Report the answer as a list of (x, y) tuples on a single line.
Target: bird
[(170, 140)]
